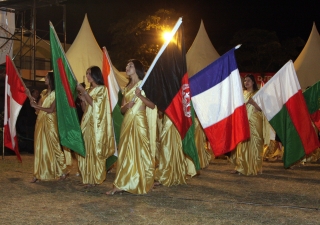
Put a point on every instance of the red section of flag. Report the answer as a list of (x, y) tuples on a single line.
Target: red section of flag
[(301, 121), (65, 83), (179, 110), (15, 97), (221, 131), (316, 118), (105, 68)]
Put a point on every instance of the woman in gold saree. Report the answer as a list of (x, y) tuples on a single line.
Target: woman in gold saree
[(49, 160), (248, 155), (201, 142), (97, 129), (135, 165), (172, 168)]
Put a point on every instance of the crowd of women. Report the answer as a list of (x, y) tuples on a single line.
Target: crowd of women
[(138, 167)]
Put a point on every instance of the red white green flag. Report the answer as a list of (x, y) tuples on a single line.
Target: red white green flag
[(14, 99), (65, 88), (312, 97), (115, 102), (283, 104)]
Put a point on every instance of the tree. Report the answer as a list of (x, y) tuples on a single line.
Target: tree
[(261, 51), (139, 35)]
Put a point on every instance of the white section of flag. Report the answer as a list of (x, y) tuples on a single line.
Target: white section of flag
[(220, 100), (278, 90)]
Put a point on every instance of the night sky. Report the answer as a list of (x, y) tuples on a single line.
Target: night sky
[(222, 19)]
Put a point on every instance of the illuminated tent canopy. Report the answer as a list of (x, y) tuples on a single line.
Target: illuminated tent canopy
[(201, 53), (307, 64)]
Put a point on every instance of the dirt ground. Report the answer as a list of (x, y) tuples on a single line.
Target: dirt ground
[(277, 196)]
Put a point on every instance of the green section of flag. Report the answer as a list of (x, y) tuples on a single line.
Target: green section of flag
[(68, 124), (188, 143), (293, 148), (117, 118), (312, 97)]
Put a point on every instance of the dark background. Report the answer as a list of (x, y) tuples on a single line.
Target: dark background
[(222, 19)]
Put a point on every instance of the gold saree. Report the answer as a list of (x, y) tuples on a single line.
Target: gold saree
[(201, 142), (49, 161), (97, 131), (172, 162), (135, 167), (248, 155)]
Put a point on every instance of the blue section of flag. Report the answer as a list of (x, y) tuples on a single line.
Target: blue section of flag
[(213, 74)]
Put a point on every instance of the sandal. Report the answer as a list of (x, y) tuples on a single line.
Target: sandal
[(114, 191), (234, 172), (34, 180), (63, 176)]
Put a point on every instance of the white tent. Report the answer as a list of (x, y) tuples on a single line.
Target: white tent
[(307, 65), (201, 53), (85, 52)]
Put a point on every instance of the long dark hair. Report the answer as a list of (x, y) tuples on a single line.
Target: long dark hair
[(255, 86), (51, 80), (96, 75), (138, 67)]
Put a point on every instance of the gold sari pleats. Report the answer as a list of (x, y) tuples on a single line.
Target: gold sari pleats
[(200, 141), (248, 155), (49, 160), (135, 165), (98, 135), (172, 168)]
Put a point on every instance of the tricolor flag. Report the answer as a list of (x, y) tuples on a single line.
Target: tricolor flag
[(312, 97), (115, 102), (65, 88), (168, 87), (284, 106), (14, 99), (218, 100)]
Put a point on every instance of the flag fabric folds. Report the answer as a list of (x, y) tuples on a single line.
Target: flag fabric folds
[(115, 102), (218, 100), (168, 87), (65, 88), (14, 99), (284, 106), (312, 97)]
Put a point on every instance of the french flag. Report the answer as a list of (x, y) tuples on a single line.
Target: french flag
[(217, 97)]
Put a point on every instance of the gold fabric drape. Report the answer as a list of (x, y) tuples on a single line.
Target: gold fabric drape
[(172, 162), (97, 131), (49, 161), (201, 142), (135, 166), (248, 155)]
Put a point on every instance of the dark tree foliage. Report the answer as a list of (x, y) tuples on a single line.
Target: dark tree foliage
[(261, 50), (139, 35)]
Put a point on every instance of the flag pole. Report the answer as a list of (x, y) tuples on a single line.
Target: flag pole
[(3, 144), (60, 46), (174, 30)]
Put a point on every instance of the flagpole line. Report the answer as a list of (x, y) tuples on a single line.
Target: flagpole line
[(62, 50), (3, 144), (174, 30)]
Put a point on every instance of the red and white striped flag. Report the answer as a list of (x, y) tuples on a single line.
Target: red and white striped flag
[(14, 99)]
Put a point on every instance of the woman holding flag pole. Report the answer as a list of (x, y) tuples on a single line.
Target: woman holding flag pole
[(135, 166), (248, 155), (49, 160), (97, 129)]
